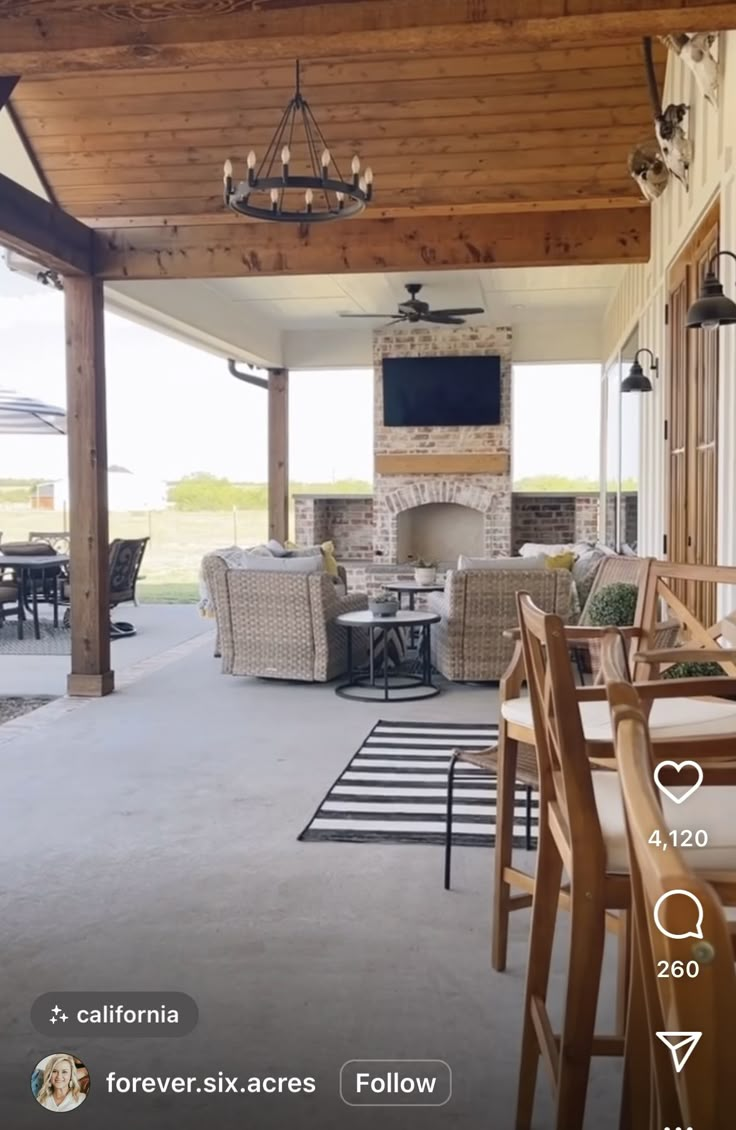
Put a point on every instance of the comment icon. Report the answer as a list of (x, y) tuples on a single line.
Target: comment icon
[(695, 929)]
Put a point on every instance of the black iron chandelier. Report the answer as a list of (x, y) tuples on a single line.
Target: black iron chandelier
[(274, 192)]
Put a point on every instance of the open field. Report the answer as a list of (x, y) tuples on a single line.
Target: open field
[(179, 539)]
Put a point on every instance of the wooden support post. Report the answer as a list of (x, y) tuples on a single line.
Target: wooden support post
[(85, 368), (278, 454)]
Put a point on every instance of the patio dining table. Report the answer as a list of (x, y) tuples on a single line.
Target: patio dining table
[(28, 570)]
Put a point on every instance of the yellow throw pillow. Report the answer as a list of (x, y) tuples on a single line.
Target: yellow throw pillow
[(330, 561), (560, 561)]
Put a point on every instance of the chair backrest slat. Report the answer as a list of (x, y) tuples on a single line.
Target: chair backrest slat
[(558, 730)]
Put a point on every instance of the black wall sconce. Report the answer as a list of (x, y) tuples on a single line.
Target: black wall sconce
[(712, 309), (637, 381)]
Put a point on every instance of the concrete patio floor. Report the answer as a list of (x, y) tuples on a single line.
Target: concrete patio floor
[(150, 843)]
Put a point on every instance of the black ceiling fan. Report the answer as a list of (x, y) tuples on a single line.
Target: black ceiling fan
[(414, 310)]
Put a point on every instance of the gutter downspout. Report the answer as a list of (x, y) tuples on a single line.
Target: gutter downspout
[(249, 378)]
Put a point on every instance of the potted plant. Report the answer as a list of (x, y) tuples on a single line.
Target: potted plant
[(425, 572), (383, 604), (614, 605)]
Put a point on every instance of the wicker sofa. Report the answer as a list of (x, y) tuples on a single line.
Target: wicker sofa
[(279, 625), (477, 606)]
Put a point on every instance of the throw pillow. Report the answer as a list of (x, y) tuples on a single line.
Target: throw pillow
[(560, 561), (282, 564), (308, 551), (527, 563), (584, 571), (328, 558), (276, 548), (28, 548), (534, 549)]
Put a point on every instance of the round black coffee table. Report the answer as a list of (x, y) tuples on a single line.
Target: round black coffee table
[(400, 686)]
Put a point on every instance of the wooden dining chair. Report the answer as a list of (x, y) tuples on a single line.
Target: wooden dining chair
[(514, 758), (582, 830), (661, 620), (688, 985), (570, 839)]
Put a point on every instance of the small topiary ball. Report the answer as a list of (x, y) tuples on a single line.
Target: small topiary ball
[(693, 670), (614, 605)]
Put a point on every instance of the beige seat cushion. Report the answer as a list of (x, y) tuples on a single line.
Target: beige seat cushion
[(8, 593), (711, 808), (670, 718)]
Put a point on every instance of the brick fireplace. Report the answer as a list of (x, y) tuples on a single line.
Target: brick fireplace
[(472, 505), (420, 512)]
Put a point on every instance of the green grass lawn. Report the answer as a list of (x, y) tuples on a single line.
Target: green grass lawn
[(178, 541)]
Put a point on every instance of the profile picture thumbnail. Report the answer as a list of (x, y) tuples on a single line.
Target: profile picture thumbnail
[(60, 1082)]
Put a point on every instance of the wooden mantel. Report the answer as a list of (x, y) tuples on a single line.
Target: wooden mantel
[(488, 463)]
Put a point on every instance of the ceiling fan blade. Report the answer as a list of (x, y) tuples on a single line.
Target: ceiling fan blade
[(441, 319), (460, 310), (366, 315)]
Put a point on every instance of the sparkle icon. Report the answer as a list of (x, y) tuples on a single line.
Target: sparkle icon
[(681, 1045)]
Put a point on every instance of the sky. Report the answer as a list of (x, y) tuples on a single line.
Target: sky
[(174, 409)]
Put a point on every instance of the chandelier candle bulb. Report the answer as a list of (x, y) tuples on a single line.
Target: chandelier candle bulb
[(274, 199), (340, 199), (308, 198), (326, 158), (251, 163)]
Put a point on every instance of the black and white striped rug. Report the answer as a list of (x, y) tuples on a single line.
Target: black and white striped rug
[(394, 790)]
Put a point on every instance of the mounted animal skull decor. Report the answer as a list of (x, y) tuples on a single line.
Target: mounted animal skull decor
[(677, 149), (647, 167), (696, 52), (651, 162)]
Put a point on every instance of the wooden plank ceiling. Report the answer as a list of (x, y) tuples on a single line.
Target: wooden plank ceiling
[(487, 132), (131, 108)]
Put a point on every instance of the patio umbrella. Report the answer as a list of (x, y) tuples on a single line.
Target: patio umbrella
[(22, 415)]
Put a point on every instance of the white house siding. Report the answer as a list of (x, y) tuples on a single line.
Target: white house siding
[(642, 292)]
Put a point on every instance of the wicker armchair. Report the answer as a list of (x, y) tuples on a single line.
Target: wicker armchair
[(279, 625), (478, 606)]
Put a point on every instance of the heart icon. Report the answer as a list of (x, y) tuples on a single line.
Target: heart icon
[(678, 766)]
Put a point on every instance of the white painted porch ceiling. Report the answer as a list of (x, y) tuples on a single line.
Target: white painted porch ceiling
[(314, 302)]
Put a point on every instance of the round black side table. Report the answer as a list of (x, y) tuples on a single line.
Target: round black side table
[(364, 685)]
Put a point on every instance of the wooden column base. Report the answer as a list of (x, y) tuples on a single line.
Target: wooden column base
[(90, 686)]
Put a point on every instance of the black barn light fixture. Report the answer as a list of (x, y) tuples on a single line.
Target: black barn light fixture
[(637, 380), (273, 192), (712, 308)]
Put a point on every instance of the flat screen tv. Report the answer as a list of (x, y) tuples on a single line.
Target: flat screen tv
[(441, 392)]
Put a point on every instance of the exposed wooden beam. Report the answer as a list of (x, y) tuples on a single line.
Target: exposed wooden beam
[(89, 599), (228, 250), (42, 231), (278, 454), (47, 36)]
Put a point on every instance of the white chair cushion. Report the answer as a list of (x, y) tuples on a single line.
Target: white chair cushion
[(712, 807), (670, 718)]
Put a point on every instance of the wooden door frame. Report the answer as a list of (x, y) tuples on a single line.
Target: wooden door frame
[(684, 267)]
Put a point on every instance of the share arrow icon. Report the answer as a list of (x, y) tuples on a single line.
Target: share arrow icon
[(681, 1044)]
